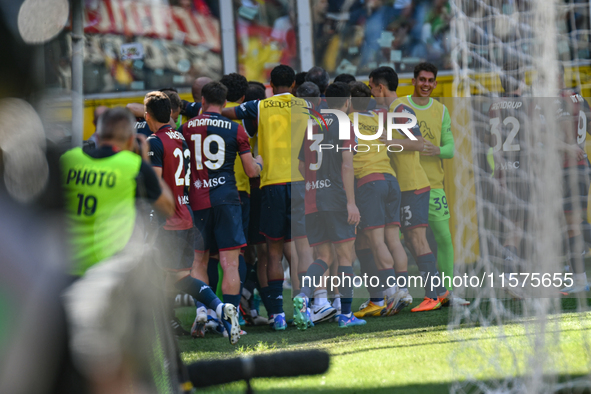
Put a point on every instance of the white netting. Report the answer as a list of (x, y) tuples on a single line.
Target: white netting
[(508, 210)]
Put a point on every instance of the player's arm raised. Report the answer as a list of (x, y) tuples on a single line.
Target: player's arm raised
[(247, 110), (136, 109)]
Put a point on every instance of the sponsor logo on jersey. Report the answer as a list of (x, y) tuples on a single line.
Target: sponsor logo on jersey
[(509, 165), (426, 130), (278, 104), (183, 200), (175, 135), (207, 183), (320, 184), (506, 105)]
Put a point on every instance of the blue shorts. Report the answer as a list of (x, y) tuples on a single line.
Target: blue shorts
[(379, 202), (298, 210), (254, 235), (219, 226), (575, 195), (175, 249), (329, 226), (275, 216), (245, 208), (414, 209)]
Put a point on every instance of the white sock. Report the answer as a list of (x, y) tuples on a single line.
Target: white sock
[(379, 303), (218, 311), (580, 279), (211, 312), (390, 292), (320, 297)]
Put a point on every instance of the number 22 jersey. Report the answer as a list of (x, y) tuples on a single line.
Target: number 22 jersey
[(169, 151), (214, 141)]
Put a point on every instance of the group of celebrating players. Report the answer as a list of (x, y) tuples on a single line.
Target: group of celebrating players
[(218, 204)]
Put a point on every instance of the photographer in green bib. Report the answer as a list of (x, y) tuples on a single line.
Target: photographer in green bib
[(101, 188)]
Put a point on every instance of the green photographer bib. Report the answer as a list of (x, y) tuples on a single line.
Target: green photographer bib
[(100, 204)]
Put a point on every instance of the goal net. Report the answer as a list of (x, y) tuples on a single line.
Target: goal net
[(516, 170)]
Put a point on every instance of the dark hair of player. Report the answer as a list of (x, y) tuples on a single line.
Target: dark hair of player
[(511, 77), (175, 100), (385, 75), (361, 95), (257, 83), (300, 78), (236, 85), (164, 90), (116, 124), (425, 66), (214, 93), (337, 94), (308, 89), (158, 105), (346, 78), (282, 76), (319, 76), (254, 92)]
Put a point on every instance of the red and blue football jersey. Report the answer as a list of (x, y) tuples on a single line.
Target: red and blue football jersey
[(169, 151), (574, 109), (323, 159), (214, 142)]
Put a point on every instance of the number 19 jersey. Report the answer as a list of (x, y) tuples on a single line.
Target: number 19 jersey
[(214, 142)]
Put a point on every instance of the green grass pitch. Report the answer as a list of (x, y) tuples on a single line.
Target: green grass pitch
[(407, 353)]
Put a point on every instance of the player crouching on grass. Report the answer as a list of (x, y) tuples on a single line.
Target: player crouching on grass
[(331, 213)]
